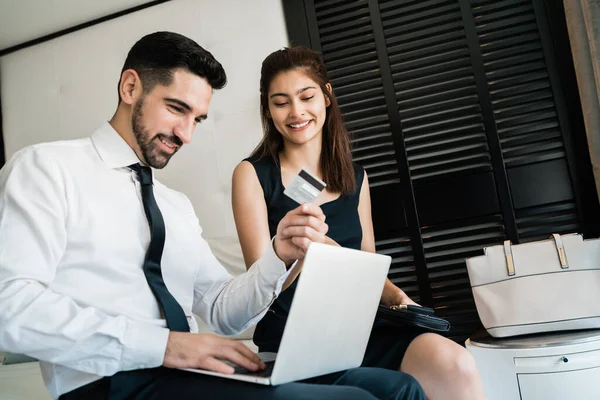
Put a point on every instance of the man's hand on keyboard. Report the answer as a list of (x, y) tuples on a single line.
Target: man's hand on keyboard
[(207, 351)]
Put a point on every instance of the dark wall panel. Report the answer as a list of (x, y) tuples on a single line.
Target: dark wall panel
[(458, 114), (390, 199), (456, 198), (296, 22), (541, 183)]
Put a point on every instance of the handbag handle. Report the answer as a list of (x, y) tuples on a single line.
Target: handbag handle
[(560, 249), (562, 256)]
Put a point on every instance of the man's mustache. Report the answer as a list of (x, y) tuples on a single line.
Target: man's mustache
[(171, 138)]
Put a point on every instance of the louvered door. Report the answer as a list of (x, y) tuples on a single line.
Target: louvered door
[(350, 53), (526, 116), (458, 122)]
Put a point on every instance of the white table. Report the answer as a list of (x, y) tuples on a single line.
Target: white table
[(551, 366)]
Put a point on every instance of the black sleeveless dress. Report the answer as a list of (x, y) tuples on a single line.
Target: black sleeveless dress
[(386, 345)]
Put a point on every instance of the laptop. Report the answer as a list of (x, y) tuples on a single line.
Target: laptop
[(330, 318)]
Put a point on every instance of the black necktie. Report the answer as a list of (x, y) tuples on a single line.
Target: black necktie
[(176, 319)]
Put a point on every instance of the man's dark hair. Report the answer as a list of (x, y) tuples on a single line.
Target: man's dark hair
[(155, 57)]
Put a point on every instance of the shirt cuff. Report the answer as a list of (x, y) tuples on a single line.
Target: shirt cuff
[(272, 270), (273, 273), (144, 346)]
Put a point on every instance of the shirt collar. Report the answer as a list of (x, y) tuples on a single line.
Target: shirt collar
[(112, 148)]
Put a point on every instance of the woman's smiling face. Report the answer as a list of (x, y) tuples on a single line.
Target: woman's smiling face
[(297, 107)]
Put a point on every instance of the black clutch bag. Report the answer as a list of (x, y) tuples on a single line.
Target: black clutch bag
[(413, 316)]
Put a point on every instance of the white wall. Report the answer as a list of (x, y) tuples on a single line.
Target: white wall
[(66, 88), (24, 20)]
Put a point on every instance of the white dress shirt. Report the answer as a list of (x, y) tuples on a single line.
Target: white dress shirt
[(73, 237)]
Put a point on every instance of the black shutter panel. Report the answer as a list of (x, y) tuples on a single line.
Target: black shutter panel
[(446, 247), (456, 113), (350, 54), (524, 107), (446, 145)]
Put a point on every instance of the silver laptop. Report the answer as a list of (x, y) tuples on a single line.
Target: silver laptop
[(330, 318)]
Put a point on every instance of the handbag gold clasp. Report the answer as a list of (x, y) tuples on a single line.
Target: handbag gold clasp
[(562, 256)]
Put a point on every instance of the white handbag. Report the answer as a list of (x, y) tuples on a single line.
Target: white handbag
[(549, 285)]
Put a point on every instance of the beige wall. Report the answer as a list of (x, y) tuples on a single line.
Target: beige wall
[(65, 88)]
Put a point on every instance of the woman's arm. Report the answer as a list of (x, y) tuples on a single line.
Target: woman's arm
[(392, 295), (249, 212), (251, 218)]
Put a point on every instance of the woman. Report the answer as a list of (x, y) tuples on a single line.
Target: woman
[(303, 128)]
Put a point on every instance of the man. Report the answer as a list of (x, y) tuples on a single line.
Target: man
[(101, 266)]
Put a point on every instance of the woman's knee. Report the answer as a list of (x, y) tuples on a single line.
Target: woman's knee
[(437, 355), (457, 364), (464, 367)]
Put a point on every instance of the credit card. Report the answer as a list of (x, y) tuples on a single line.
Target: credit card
[(304, 188)]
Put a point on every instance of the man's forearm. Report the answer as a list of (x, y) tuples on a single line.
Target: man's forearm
[(52, 327), (241, 302)]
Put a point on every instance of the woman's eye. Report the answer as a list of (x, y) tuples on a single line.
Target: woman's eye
[(308, 98), (176, 109), (280, 104)]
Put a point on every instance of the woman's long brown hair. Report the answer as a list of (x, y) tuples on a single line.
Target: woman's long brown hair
[(336, 158)]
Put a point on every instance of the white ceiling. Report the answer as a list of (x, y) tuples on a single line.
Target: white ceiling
[(24, 20)]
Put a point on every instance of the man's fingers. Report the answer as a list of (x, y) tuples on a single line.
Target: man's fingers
[(232, 354), (208, 351), (300, 227), (303, 226), (310, 209), (249, 354), (212, 364), (303, 232), (302, 243), (237, 353), (306, 220)]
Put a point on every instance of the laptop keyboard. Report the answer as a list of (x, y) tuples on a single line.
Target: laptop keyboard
[(265, 373)]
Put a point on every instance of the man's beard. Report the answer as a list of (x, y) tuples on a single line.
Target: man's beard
[(154, 156)]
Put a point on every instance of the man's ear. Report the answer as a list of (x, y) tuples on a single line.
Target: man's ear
[(330, 90), (130, 87)]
